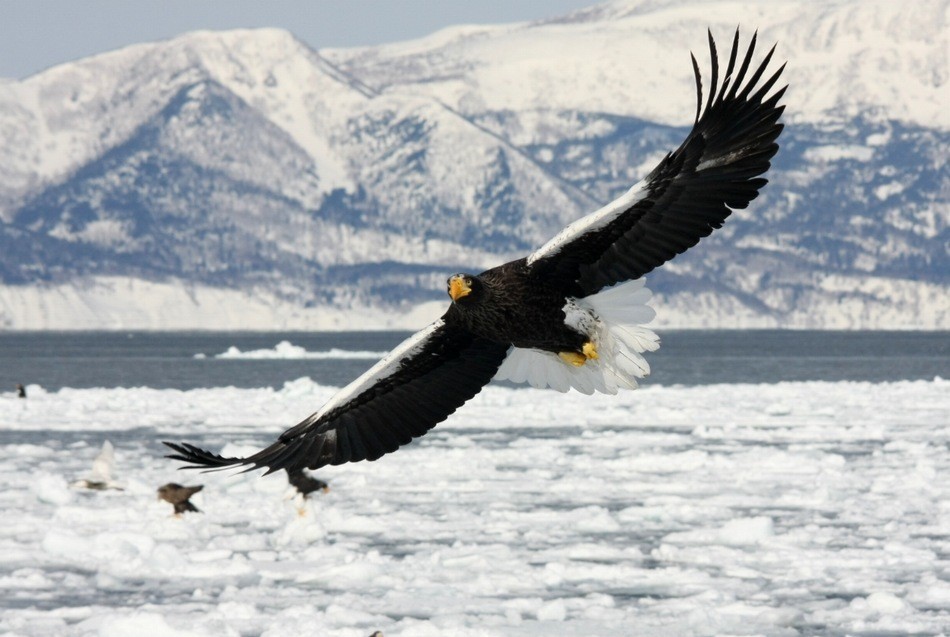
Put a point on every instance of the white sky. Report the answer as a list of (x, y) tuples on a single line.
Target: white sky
[(37, 34)]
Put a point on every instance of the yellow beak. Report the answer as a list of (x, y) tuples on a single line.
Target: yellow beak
[(458, 288)]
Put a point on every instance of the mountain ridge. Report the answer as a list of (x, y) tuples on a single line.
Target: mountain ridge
[(247, 162)]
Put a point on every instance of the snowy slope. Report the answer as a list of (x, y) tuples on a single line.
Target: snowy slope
[(848, 58), (71, 114), (246, 164)]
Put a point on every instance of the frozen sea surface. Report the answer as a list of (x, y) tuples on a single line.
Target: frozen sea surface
[(799, 508)]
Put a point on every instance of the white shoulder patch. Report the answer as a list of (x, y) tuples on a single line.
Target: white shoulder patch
[(591, 222), (386, 367), (613, 319)]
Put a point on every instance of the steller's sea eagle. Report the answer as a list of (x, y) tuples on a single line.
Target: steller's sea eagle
[(568, 315)]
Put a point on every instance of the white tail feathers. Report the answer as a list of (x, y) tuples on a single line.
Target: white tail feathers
[(616, 330)]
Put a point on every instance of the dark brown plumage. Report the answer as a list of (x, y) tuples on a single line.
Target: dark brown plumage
[(177, 495), (570, 314), (305, 483), (512, 300)]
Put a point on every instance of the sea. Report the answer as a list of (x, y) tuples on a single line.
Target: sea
[(188, 360)]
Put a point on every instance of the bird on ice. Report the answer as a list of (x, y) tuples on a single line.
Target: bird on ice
[(570, 314), (304, 484), (177, 496), (100, 478)]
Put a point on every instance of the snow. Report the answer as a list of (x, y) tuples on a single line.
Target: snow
[(851, 57), (836, 152), (807, 508), (114, 302), (118, 303), (287, 350), (889, 189)]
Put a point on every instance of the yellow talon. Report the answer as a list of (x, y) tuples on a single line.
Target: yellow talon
[(573, 358), (590, 350)]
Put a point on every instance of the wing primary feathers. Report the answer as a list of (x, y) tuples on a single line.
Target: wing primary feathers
[(755, 76), (699, 88), (197, 458), (769, 83), (280, 457), (730, 67), (713, 83), (692, 191), (418, 385), (306, 452), (743, 69)]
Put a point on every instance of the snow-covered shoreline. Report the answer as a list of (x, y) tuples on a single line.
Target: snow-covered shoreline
[(126, 303), (806, 508), (285, 350)]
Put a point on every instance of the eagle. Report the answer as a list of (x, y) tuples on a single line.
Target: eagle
[(305, 484), (568, 315), (178, 496)]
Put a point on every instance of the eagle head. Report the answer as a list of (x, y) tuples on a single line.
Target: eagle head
[(463, 286)]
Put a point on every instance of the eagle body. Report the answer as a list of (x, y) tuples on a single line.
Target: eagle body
[(570, 315), (511, 305), (178, 496), (306, 484)]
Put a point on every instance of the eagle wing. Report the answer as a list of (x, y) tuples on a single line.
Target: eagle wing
[(416, 386), (690, 193)]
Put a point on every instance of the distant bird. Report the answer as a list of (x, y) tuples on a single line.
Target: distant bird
[(570, 314), (100, 478), (178, 496), (20, 390), (305, 483)]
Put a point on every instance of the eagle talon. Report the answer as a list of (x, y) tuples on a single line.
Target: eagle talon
[(577, 359), (590, 350), (573, 358)]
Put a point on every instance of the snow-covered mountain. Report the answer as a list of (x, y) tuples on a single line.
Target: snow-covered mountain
[(242, 179)]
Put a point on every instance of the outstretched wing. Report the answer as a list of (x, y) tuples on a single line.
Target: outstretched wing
[(415, 387), (688, 195)]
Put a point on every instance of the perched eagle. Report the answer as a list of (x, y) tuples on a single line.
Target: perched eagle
[(567, 315), (178, 496), (305, 484)]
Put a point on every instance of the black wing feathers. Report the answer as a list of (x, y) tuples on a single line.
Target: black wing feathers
[(427, 386), (690, 193), (717, 169)]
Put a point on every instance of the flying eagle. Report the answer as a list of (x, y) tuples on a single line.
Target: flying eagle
[(569, 314)]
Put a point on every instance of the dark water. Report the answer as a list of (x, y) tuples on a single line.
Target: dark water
[(690, 357)]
